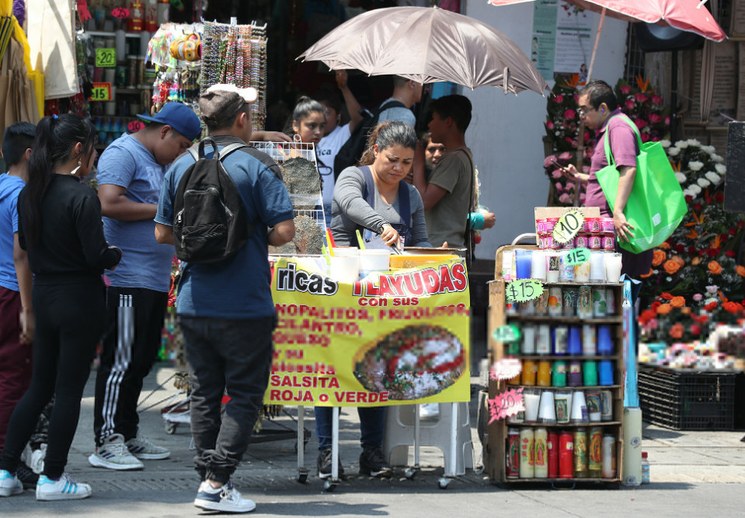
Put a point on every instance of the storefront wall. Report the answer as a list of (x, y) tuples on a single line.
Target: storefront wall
[(506, 133)]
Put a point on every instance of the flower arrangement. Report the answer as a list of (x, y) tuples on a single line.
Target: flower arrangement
[(703, 249), (640, 102), (675, 318)]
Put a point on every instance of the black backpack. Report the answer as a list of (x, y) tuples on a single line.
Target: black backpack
[(351, 152), (209, 217)]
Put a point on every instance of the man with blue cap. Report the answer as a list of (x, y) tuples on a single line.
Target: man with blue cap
[(130, 175)]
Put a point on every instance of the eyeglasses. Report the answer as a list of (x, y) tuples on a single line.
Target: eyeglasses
[(584, 111)]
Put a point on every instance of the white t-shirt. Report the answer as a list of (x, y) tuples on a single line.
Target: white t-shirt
[(326, 152)]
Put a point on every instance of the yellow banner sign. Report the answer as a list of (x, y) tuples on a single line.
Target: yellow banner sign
[(393, 338)]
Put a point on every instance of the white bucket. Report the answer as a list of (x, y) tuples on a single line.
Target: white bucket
[(374, 260), (345, 268)]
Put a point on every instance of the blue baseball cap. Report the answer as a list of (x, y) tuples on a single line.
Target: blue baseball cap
[(178, 116)]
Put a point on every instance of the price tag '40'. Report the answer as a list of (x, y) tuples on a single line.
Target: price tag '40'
[(568, 226), (523, 290)]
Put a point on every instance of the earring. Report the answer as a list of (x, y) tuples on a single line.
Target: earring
[(80, 164)]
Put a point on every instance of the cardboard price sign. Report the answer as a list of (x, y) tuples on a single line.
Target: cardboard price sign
[(101, 92), (506, 404), (568, 226), (106, 57), (523, 290), (577, 256)]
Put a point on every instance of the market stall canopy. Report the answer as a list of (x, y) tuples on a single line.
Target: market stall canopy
[(686, 15), (427, 45)]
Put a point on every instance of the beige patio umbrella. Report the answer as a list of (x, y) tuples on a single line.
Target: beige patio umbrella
[(427, 45)]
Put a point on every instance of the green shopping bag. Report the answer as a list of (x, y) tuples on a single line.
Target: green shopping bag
[(656, 205)]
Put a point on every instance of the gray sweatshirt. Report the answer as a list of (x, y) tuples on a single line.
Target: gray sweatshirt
[(349, 210)]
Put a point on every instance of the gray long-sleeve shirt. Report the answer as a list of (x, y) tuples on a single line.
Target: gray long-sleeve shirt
[(350, 210)]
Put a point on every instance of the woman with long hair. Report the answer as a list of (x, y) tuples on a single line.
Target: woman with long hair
[(60, 228)]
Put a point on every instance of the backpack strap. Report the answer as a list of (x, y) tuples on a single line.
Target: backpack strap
[(197, 150), (404, 203)]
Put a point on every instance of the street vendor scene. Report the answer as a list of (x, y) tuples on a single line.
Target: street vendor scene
[(372, 258)]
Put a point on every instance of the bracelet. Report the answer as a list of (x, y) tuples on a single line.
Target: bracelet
[(476, 220)]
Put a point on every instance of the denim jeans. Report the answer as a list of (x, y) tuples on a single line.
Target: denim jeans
[(372, 426), (232, 356)]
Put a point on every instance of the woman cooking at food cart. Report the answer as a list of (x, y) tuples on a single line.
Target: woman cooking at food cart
[(382, 213), (373, 198)]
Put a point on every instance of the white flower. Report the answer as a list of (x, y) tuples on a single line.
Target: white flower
[(693, 142), (721, 168), (682, 144), (695, 189), (695, 165), (716, 158), (688, 194), (713, 177), (681, 177), (673, 151), (665, 143), (709, 149), (703, 183)]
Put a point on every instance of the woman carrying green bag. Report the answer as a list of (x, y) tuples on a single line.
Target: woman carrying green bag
[(599, 109)]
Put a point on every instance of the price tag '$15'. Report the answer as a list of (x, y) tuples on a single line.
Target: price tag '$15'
[(523, 290)]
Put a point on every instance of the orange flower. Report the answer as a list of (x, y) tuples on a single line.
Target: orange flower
[(715, 268), (696, 261), (685, 310), (679, 260), (664, 309), (676, 332), (671, 267), (648, 274), (732, 307), (740, 270), (664, 246), (678, 302), (658, 257), (666, 295)]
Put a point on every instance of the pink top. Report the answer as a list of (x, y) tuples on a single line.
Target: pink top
[(624, 148)]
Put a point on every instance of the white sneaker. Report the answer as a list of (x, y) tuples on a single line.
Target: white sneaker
[(113, 454), (9, 484), (143, 448), (63, 489), (226, 499)]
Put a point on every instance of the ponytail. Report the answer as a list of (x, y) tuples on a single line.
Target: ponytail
[(387, 134), (55, 139)]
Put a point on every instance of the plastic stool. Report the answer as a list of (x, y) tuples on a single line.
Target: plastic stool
[(399, 436)]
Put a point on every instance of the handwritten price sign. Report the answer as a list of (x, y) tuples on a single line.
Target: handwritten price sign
[(106, 57), (577, 256), (506, 404), (101, 92), (507, 333), (568, 226), (523, 290), (506, 369)]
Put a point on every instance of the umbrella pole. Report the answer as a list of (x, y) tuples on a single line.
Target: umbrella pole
[(595, 46)]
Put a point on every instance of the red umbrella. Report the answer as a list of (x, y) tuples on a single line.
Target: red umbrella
[(686, 15)]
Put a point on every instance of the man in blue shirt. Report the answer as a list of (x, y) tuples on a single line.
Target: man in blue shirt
[(225, 310), (16, 315), (130, 174)]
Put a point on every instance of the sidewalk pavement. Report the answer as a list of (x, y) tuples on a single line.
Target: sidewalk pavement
[(693, 473)]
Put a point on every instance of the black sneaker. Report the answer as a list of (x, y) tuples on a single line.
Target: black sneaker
[(27, 477), (373, 463), (324, 465)]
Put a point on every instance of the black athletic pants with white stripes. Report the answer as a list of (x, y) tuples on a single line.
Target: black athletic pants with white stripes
[(69, 322), (130, 348)]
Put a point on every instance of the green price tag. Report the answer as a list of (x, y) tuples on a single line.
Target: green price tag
[(577, 256), (568, 226), (101, 92), (523, 290), (106, 58), (507, 333)]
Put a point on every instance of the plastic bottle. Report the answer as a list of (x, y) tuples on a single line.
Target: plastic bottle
[(645, 468)]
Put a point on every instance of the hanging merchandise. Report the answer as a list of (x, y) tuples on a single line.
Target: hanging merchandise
[(175, 51), (236, 54)]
